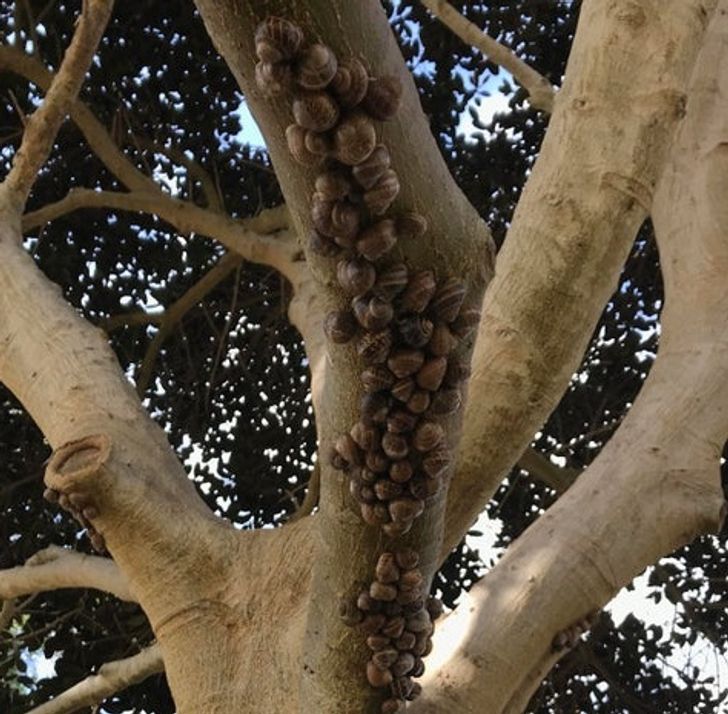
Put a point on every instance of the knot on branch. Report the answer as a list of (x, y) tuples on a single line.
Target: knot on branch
[(71, 478)]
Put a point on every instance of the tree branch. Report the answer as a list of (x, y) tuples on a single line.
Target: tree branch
[(587, 196), (540, 467), (55, 568), (111, 678), (42, 127), (540, 91)]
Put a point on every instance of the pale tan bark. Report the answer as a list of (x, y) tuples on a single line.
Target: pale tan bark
[(54, 568), (540, 91), (112, 677), (656, 485), (588, 194)]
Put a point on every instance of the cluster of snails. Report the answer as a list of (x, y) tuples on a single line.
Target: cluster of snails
[(397, 620), (404, 325)]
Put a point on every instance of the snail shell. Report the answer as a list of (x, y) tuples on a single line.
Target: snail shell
[(377, 461), (383, 591), (367, 603), (355, 275), (378, 678), (402, 687), (272, 79), (374, 514), (371, 169), (416, 686), (381, 196), (407, 558), (385, 658), (401, 471), (347, 448), (345, 219), (318, 143), (322, 245), (411, 579), (340, 326), (466, 323), (386, 490), (383, 97), (395, 445), (400, 421), (354, 139), (391, 281), (403, 389), (434, 608), (394, 530), (405, 641), (446, 402), (378, 642), (448, 300), (333, 185), (376, 378), (457, 371), (321, 215), (377, 240), (442, 341), (410, 599), (404, 665), (373, 313), (350, 83), (432, 373), (404, 362), (419, 402), (415, 330), (316, 67), (419, 622), (424, 488), (411, 225), (317, 111), (419, 291), (371, 624), (373, 347), (296, 140), (428, 436), (349, 612), (417, 671), (436, 463), (391, 706), (373, 410), (277, 39), (386, 569), (405, 509), (366, 436), (394, 628)]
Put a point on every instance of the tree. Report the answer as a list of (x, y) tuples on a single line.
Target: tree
[(246, 619)]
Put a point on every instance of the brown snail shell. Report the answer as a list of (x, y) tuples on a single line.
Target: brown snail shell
[(404, 362), (296, 140), (419, 291), (373, 347), (400, 421), (371, 169), (428, 436), (361, 492), (377, 240), (277, 39), (350, 82), (392, 610), (373, 313), (366, 475), (416, 686), (402, 687), (367, 603), (383, 97), (376, 378), (386, 569), (411, 225), (424, 488), (436, 463), (448, 300), (417, 671), (273, 79), (385, 658), (383, 591), (375, 514), (446, 402), (366, 436), (432, 373), (442, 341), (347, 448), (321, 215), (394, 530), (409, 598), (321, 245), (423, 646), (401, 471), (391, 281), (378, 642), (371, 624), (381, 196), (355, 275), (391, 706), (395, 445), (419, 402), (405, 509), (434, 608), (419, 622), (466, 323), (340, 326), (337, 461), (407, 558), (349, 613), (316, 67), (333, 185), (373, 410), (405, 641), (345, 218), (318, 143), (458, 370), (386, 490), (377, 461), (404, 664), (377, 677), (403, 389), (415, 330), (317, 111), (354, 139), (411, 579), (394, 627)]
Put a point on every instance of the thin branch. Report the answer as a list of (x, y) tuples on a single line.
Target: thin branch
[(540, 91), (55, 567), (222, 269), (7, 612), (539, 466), (111, 678), (43, 125)]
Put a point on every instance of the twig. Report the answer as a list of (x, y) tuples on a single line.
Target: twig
[(43, 125), (310, 500), (540, 91)]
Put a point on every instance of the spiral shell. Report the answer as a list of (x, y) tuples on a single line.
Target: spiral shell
[(383, 97), (321, 215), (432, 374), (404, 665), (400, 421), (442, 341), (424, 488), (419, 291), (318, 143), (415, 330), (377, 677), (403, 389), (321, 245), (316, 111), (448, 299), (419, 402), (394, 627), (386, 569), (405, 509), (373, 347), (316, 67), (385, 658), (340, 326), (395, 445), (355, 275), (376, 378), (405, 362), (345, 220), (446, 402), (394, 530), (386, 490), (436, 463), (375, 514), (407, 558), (347, 448), (381, 196), (372, 313), (466, 323), (411, 225), (333, 185), (296, 140), (391, 281), (428, 436), (401, 471), (405, 641), (354, 139), (366, 436), (377, 460), (457, 371), (272, 79), (377, 240), (350, 83), (277, 39), (370, 170)]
